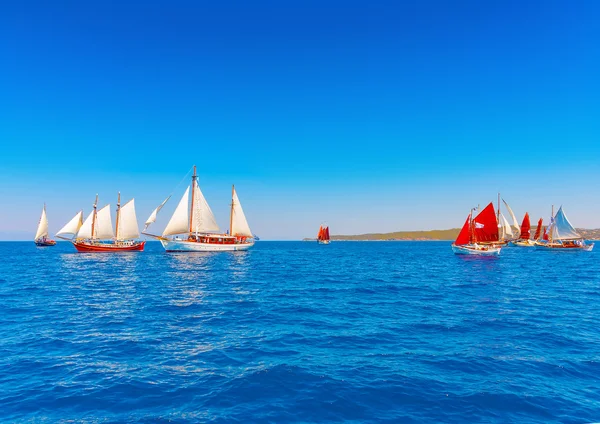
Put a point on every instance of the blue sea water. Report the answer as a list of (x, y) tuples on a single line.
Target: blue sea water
[(297, 332)]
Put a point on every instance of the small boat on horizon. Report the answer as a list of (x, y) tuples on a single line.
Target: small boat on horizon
[(41, 235), (323, 235), (478, 234), (96, 234), (561, 235), (197, 222)]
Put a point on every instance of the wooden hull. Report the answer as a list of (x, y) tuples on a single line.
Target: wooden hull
[(479, 250), (524, 243), (569, 248), (195, 246), (88, 247), (45, 243), (324, 241)]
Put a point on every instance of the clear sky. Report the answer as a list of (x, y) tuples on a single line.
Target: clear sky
[(372, 116)]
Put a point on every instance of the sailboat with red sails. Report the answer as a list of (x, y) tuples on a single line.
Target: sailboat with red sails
[(478, 234), (524, 239), (323, 235)]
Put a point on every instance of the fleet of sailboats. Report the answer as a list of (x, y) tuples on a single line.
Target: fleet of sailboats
[(193, 227), (323, 235)]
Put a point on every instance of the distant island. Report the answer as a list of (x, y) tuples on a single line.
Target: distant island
[(431, 235)]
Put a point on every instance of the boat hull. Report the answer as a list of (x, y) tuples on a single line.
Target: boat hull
[(45, 243), (194, 246), (324, 241), (108, 247), (524, 243), (476, 250), (563, 248)]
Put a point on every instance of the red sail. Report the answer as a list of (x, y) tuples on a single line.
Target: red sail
[(320, 234), (464, 237), (526, 227), (545, 234), (326, 235), (486, 225), (538, 230)]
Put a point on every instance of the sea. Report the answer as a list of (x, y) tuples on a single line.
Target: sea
[(287, 332)]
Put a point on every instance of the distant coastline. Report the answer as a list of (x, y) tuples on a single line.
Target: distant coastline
[(431, 235)]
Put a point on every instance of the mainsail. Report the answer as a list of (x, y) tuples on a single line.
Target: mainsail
[(526, 227), (179, 223), (507, 233), (320, 233), (538, 230), (72, 226), (103, 229), (562, 228), (239, 224), (42, 229), (127, 228), (326, 233), (486, 225), (203, 220), (85, 230)]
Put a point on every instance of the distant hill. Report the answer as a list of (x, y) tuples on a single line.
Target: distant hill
[(450, 234)]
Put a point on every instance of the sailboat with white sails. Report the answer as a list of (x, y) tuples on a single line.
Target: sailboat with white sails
[(96, 234), (41, 235), (194, 220), (563, 236)]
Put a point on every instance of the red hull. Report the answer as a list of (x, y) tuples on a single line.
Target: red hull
[(106, 247)]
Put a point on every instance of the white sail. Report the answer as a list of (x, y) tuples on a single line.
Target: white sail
[(152, 218), (103, 229), (85, 230), (506, 230), (72, 226), (562, 229), (179, 221), (239, 224), (515, 223), (203, 219), (128, 226), (42, 229)]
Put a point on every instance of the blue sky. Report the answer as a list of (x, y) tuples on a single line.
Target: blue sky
[(372, 116)]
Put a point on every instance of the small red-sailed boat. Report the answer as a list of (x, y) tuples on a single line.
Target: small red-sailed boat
[(95, 234), (524, 238), (323, 235), (478, 234)]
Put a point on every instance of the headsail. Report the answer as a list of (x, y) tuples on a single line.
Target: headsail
[(515, 223), (526, 227), (42, 229), (73, 225), (464, 237), (562, 229), (239, 224), (128, 227), (320, 233), (507, 233), (178, 223), (85, 230), (326, 233), (486, 225), (154, 214)]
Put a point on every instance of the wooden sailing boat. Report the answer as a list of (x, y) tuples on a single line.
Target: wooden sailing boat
[(563, 236), (41, 235), (478, 234), (507, 232), (524, 238), (95, 234), (323, 235), (198, 225)]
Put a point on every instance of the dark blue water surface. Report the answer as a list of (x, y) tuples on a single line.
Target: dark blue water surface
[(297, 332)]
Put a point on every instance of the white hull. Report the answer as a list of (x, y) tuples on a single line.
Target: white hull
[(524, 243), (559, 247), (192, 246), (324, 242), (476, 250)]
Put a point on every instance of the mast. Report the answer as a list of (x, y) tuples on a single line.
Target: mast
[(231, 213), (498, 216), (118, 213), (192, 204), (551, 222), (94, 216)]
